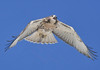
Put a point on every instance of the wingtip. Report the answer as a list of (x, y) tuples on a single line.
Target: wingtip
[(6, 49), (9, 44), (92, 54)]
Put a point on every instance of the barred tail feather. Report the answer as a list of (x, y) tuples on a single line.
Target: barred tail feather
[(44, 38)]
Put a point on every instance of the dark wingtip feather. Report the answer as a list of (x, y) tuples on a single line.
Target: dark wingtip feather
[(10, 42), (14, 36), (92, 53), (6, 48)]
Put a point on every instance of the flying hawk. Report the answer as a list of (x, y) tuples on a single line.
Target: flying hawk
[(42, 30)]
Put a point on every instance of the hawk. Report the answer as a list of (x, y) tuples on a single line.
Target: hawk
[(42, 30)]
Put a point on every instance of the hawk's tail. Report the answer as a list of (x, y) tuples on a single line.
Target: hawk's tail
[(44, 37)]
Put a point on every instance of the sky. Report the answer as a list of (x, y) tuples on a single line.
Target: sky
[(82, 15)]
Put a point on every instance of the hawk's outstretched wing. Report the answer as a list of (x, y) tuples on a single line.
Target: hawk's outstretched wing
[(68, 34), (30, 28)]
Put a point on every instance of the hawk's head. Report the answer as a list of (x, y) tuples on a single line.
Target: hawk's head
[(51, 19)]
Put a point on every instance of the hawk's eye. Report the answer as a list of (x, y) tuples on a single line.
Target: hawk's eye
[(54, 17)]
